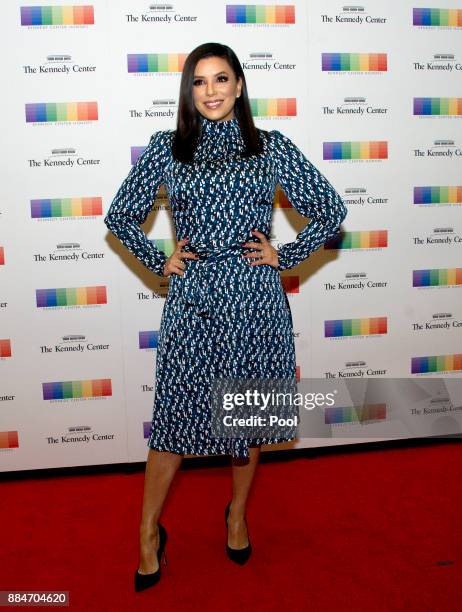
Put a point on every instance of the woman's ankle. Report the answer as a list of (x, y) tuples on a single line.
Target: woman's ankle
[(237, 512), (149, 529)]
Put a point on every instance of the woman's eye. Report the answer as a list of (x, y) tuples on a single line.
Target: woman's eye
[(221, 79)]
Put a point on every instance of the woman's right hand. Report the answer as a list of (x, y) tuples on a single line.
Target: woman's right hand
[(175, 264)]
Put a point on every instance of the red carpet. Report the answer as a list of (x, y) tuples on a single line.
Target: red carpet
[(376, 530)]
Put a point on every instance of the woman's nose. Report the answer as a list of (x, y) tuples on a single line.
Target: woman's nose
[(210, 90)]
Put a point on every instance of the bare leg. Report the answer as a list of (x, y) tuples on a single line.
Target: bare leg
[(242, 482), (161, 467)]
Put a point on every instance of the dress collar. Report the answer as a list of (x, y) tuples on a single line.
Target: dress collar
[(219, 140), (217, 128)]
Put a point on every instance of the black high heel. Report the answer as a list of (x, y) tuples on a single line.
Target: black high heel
[(238, 555), (144, 581)]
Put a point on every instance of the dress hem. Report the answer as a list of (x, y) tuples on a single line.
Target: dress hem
[(240, 447)]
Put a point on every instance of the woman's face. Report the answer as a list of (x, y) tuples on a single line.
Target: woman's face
[(215, 88)]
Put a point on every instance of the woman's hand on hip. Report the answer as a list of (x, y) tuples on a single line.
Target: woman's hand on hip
[(267, 253), (175, 263)]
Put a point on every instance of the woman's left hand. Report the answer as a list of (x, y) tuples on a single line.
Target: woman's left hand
[(268, 254)]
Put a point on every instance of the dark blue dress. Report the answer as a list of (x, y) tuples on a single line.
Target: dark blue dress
[(223, 318)]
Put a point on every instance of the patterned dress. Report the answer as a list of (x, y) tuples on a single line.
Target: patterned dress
[(224, 317)]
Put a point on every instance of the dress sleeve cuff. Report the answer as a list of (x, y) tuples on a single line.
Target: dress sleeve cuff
[(158, 262), (284, 261)]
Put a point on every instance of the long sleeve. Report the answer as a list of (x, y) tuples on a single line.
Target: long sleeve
[(311, 194), (134, 200)]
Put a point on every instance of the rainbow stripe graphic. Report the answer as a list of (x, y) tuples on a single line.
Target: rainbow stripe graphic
[(49, 112), (366, 149), (9, 439), (135, 152), (355, 327), (438, 106), (280, 199), (439, 363), (71, 389), (355, 414), (372, 239), (347, 62), (437, 17), (57, 15), (148, 339), (5, 347), (437, 278), (273, 107), (66, 207), (260, 13), (438, 195), (71, 296), (2, 256), (167, 245), (156, 62), (291, 284)]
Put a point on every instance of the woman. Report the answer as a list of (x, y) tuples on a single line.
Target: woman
[(226, 313)]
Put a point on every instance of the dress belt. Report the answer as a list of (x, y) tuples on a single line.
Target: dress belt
[(196, 285)]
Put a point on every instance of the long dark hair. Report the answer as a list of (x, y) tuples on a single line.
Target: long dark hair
[(188, 119)]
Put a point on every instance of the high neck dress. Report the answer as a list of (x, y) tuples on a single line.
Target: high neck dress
[(223, 318)]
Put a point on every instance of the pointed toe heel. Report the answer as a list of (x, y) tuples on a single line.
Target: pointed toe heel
[(144, 581), (238, 555)]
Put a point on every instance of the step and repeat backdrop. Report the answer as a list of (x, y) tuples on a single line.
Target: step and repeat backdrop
[(370, 92)]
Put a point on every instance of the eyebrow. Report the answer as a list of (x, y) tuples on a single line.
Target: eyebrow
[(199, 76)]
